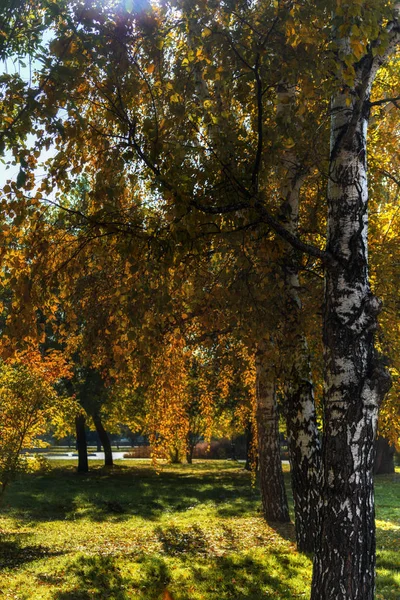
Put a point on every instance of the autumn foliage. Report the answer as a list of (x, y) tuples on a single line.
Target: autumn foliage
[(28, 402)]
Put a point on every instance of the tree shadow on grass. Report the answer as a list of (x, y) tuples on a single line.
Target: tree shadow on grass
[(228, 577), (97, 577), (244, 578), (62, 494), (176, 541), (14, 553), (222, 578), (285, 530), (100, 577)]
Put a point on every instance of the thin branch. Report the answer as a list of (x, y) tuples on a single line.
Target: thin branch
[(121, 227), (251, 202), (260, 117), (326, 257), (394, 101), (390, 176), (237, 53)]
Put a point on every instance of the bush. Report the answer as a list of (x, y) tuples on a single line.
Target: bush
[(38, 464), (27, 399)]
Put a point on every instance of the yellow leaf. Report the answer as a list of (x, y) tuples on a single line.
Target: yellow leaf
[(289, 143), (206, 32)]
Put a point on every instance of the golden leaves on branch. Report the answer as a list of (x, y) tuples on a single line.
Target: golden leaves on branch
[(27, 402)]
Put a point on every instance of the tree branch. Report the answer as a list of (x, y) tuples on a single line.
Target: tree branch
[(386, 101), (259, 96)]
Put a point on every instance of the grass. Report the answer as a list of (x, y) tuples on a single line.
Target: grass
[(132, 533)]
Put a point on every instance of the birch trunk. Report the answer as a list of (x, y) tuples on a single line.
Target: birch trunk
[(273, 493), (304, 451), (344, 563), (301, 422)]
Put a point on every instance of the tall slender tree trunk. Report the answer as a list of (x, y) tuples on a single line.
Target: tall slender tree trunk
[(304, 452), (301, 423), (81, 443), (104, 439), (249, 432), (174, 457), (344, 563), (189, 455), (273, 493), (191, 441)]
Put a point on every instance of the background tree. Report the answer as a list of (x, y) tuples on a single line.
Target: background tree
[(28, 401), (172, 115)]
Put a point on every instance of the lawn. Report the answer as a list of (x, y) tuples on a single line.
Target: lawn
[(194, 531)]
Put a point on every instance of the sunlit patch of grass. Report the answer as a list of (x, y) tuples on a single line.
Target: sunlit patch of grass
[(132, 533), (387, 489)]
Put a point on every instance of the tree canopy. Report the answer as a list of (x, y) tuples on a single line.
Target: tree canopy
[(189, 228)]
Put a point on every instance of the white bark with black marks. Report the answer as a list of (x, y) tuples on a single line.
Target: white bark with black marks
[(304, 449), (301, 422), (344, 563)]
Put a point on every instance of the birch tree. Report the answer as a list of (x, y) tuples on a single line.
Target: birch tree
[(135, 121), (299, 409), (356, 381)]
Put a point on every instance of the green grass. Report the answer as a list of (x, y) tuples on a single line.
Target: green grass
[(387, 494), (130, 533)]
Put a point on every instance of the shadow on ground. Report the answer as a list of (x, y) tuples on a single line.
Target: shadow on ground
[(14, 552), (139, 491), (96, 577), (225, 578)]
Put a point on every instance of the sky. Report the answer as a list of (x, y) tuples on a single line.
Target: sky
[(25, 67)]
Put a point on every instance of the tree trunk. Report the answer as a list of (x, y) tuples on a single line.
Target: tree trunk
[(81, 444), (301, 423), (174, 456), (249, 444), (344, 563), (304, 453), (190, 446), (273, 493), (384, 457), (104, 439)]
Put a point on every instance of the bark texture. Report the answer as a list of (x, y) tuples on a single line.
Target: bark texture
[(301, 423), (81, 443), (304, 452), (104, 439), (344, 563), (273, 493)]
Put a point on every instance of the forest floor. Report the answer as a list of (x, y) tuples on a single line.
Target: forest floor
[(134, 533)]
